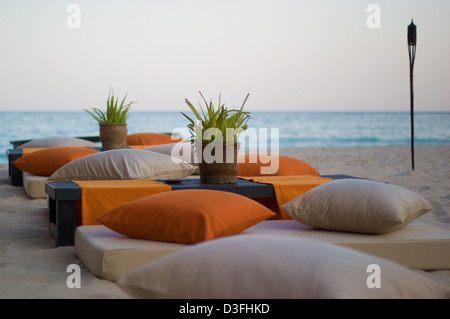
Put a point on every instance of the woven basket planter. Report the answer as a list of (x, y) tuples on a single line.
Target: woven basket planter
[(218, 168), (113, 136)]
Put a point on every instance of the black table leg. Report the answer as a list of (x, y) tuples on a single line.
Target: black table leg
[(63, 221)]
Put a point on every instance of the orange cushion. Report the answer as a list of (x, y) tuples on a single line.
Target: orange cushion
[(46, 161), (150, 139), (185, 216), (286, 166)]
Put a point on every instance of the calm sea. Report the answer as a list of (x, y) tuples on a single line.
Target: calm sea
[(296, 129)]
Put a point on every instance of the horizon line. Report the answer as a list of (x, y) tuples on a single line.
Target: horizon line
[(252, 111)]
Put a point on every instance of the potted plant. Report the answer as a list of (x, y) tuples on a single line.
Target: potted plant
[(215, 132), (113, 122)]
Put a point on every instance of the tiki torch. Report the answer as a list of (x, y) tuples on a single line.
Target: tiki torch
[(412, 38)]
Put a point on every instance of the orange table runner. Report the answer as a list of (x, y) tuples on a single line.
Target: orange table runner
[(98, 197), (289, 187)]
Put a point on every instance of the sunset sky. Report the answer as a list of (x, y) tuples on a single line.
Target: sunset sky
[(290, 55)]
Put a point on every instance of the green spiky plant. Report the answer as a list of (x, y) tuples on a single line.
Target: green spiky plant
[(115, 113), (219, 118)]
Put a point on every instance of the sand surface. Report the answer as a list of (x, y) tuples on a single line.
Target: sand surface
[(31, 266)]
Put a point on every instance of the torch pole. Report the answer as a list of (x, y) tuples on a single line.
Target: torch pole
[(412, 38)]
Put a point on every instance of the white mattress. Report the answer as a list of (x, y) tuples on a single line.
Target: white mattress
[(418, 245), (34, 185)]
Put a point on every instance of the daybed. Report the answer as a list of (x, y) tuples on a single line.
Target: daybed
[(376, 218), (418, 245), (180, 245)]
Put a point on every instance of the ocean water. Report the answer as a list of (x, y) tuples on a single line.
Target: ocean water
[(295, 129)]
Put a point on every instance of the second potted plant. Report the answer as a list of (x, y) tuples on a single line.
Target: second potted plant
[(113, 122), (215, 132)]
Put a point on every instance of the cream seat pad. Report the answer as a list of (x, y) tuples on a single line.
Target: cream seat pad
[(34, 185)]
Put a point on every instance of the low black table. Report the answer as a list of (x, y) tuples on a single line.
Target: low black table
[(63, 196), (14, 173)]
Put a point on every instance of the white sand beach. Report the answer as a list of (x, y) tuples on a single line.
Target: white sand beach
[(31, 266)]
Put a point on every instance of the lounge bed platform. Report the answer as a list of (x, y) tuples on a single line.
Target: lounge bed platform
[(418, 245), (62, 200)]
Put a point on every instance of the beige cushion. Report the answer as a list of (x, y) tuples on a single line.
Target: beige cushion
[(110, 255), (123, 164), (357, 206), (181, 150), (34, 185), (258, 266), (55, 141)]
